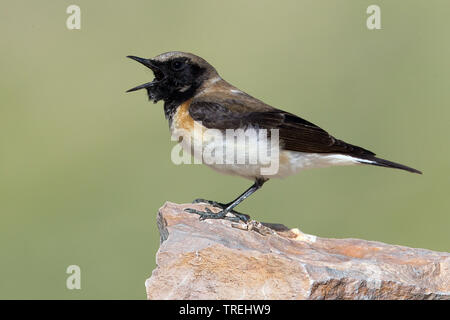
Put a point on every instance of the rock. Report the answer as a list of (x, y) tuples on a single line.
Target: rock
[(213, 259)]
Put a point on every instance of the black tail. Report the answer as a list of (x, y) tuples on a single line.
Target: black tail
[(388, 164)]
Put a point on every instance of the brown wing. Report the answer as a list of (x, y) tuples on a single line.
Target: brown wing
[(296, 134)]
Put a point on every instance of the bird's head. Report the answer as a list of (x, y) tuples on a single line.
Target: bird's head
[(178, 76)]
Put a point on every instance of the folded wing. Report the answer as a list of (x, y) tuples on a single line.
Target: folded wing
[(296, 134)]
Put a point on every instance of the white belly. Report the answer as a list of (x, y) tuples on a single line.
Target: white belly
[(290, 163)]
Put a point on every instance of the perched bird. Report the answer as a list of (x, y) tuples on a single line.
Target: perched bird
[(196, 99)]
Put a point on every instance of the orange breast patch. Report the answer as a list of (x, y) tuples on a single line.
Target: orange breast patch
[(183, 119)]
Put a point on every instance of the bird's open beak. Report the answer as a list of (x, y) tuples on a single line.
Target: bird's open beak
[(142, 86), (151, 65)]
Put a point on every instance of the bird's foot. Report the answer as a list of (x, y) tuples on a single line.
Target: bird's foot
[(208, 214)]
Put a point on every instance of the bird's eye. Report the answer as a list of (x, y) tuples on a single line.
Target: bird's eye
[(177, 65)]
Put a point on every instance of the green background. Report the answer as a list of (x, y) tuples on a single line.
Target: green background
[(84, 167)]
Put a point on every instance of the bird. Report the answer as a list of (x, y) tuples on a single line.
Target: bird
[(197, 102)]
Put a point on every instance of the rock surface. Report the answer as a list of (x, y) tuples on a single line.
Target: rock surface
[(211, 259)]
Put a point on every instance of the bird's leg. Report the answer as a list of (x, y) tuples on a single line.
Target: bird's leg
[(227, 208)]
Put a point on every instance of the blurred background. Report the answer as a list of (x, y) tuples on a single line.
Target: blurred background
[(84, 167)]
